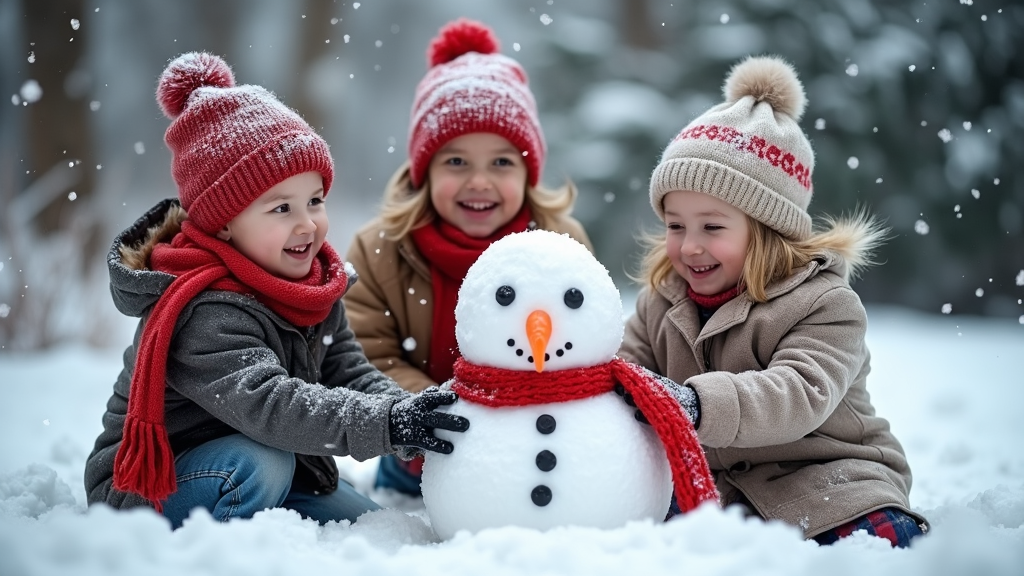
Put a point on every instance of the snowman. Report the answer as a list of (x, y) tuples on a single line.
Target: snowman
[(538, 323)]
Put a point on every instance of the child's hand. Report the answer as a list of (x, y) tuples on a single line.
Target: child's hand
[(684, 395), (414, 419)]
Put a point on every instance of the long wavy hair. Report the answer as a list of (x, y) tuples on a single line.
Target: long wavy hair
[(772, 257)]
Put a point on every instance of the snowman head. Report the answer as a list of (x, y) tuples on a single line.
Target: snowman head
[(538, 300)]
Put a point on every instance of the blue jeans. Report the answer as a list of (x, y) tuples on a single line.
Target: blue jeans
[(236, 477), (395, 474)]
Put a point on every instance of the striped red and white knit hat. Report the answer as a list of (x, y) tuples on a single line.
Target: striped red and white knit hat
[(748, 151), (469, 88)]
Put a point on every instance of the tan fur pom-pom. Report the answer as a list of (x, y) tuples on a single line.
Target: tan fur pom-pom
[(768, 79)]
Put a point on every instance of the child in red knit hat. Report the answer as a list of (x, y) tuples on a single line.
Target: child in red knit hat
[(244, 379), (748, 310), (476, 151)]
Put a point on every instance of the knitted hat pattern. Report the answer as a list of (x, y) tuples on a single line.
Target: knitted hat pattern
[(748, 151), (469, 88), (230, 144)]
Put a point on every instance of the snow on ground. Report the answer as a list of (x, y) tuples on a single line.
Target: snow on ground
[(952, 387)]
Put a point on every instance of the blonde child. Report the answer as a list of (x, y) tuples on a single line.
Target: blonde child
[(750, 311), (475, 156), (244, 379)]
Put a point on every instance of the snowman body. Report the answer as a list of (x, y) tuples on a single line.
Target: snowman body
[(583, 462), (538, 303)]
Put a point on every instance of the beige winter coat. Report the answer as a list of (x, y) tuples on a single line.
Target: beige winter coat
[(786, 419), (391, 308)]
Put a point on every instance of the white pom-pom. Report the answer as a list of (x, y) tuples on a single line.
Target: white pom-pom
[(768, 79)]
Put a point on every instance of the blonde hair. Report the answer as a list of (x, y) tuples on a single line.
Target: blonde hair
[(405, 208), (772, 257)]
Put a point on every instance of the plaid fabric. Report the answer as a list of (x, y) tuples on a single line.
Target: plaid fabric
[(895, 526)]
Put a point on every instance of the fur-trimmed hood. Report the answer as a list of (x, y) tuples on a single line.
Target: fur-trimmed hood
[(133, 286)]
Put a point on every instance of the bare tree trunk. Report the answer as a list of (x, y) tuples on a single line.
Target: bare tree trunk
[(58, 128), (638, 31), (316, 28)]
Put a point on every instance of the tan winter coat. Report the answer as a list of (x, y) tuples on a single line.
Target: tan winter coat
[(391, 308), (786, 419)]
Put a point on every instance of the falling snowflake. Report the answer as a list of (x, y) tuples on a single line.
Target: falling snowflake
[(878, 181), (94, 105), (31, 57), (853, 162), (75, 24), (516, 46), (1019, 279), (852, 70), (912, 68), (979, 292), (609, 197), (412, 290), (545, 19), (140, 148), (72, 196), (409, 344), (724, 19), (945, 135), (31, 91), (921, 227), (328, 339), (947, 308), (967, 126), (975, 193), (4, 310), (819, 124)]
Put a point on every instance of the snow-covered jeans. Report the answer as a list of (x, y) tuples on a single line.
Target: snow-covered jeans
[(236, 477)]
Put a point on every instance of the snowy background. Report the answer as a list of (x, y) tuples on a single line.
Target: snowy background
[(950, 386), (915, 110)]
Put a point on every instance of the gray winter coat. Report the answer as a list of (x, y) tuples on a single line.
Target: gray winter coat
[(234, 366)]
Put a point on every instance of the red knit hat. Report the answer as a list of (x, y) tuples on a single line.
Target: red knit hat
[(231, 143), (471, 88)]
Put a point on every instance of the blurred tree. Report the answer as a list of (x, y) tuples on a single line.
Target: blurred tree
[(915, 112)]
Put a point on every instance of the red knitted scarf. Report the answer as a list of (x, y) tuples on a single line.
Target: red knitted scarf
[(714, 301), (495, 387), (144, 463), (450, 253)]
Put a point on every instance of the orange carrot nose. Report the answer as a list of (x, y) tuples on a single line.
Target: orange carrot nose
[(538, 332)]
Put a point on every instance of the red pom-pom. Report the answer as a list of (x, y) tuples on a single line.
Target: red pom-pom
[(185, 74), (459, 37)]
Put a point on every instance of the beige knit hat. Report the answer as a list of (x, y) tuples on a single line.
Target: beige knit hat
[(748, 151)]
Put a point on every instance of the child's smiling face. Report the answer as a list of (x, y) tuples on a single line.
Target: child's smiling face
[(282, 230), (477, 183), (707, 240)]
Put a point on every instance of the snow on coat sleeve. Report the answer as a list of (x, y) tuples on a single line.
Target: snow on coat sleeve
[(813, 366), (229, 362), (345, 365), (376, 331)]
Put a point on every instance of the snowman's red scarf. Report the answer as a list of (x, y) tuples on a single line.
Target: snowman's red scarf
[(496, 387)]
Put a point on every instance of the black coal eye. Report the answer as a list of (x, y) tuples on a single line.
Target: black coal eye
[(505, 295), (573, 298)]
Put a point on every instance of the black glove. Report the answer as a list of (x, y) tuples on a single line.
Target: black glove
[(685, 395), (413, 421)]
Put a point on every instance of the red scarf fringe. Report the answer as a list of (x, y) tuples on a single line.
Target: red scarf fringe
[(496, 387), (144, 464)]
